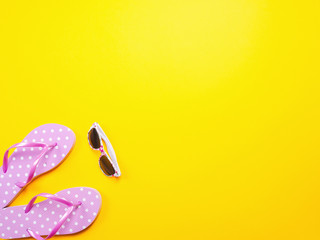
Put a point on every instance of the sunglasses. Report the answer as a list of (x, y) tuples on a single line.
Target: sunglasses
[(108, 163)]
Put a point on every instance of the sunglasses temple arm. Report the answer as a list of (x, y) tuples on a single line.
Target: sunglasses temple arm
[(109, 146), (103, 135)]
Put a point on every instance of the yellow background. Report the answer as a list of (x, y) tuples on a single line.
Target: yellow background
[(212, 108)]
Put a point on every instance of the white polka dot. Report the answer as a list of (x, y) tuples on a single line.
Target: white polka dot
[(45, 209), (35, 132), (94, 214), (89, 193), (67, 138), (15, 231), (50, 139), (41, 140), (60, 130), (65, 146), (31, 149), (23, 149), (21, 225), (40, 148), (58, 138), (52, 130), (30, 157), (55, 155), (52, 212), (63, 155), (76, 195), (19, 215), (43, 131), (33, 140), (28, 165), (21, 157), (47, 219), (89, 220), (42, 226), (91, 203), (81, 217), (34, 222)]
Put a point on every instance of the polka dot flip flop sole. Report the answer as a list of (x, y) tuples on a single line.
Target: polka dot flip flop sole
[(66, 212), (41, 151)]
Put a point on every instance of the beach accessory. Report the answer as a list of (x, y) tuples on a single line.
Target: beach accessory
[(66, 212), (108, 164), (42, 150)]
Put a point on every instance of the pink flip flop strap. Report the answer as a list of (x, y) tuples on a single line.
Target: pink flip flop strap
[(71, 206), (46, 148)]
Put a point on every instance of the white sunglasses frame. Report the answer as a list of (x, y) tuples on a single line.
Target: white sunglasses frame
[(110, 149)]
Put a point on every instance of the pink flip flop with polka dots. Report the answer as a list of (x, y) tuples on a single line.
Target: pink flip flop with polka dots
[(41, 151), (66, 212)]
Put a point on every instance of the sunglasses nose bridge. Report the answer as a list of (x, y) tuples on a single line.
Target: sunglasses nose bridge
[(101, 149)]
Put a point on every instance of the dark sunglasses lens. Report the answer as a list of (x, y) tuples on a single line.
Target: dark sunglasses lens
[(94, 138), (106, 166)]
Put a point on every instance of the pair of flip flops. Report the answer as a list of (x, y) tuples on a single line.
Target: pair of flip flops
[(66, 212)]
